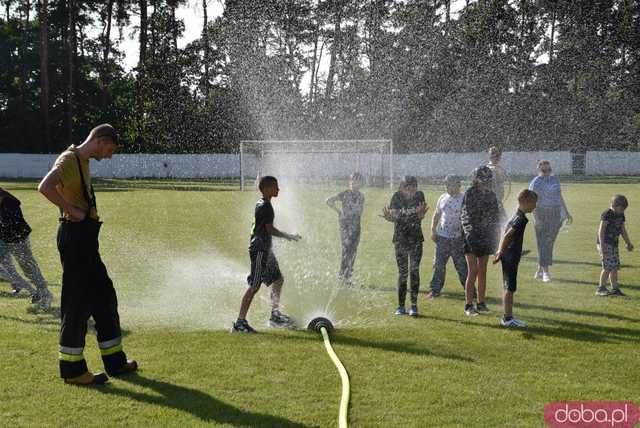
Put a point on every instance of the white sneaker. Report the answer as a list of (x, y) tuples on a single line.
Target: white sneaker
[(537, 275), (513, 322), (546, 277)]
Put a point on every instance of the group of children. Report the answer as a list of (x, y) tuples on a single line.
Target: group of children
[(468, 227)]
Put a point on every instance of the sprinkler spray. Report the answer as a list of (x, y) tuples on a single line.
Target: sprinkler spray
[(324, 326)]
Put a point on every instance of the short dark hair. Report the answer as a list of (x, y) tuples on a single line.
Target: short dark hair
[(619, 201), (356, 176), (105, 130), (527, 196), (408, 180), (495, 151), (451, 179), (266, 181)]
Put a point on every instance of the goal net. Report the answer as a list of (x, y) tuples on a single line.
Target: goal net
[(316, 161)]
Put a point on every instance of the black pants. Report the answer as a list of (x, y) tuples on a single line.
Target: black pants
[(350, 238), (408, 257), (87, 291)]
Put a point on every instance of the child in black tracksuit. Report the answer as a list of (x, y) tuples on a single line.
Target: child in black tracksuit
[(352, 202), (406, 211), (480, 218), (510, 252)]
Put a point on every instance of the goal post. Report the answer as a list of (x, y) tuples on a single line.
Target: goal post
[(317, 160)]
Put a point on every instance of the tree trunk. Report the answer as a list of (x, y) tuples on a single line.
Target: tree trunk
[(205, 41), (447, 4), (174, 27), (71, 49), (553, 34), (152, 27), (334, 51), (316, 38), (141, 69), (44, 73), (315, 85), (105, 56), (25, 8)]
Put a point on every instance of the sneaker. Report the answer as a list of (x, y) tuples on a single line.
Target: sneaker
[(345, 282), (602, 292), (242, 326), (470, 311), (401, 311), (617, 292), (481, 308), (280, 320), (16, 289), (546, 277), (432, 295), (413, 311), (537, 275), (43, 299), (513, 323)]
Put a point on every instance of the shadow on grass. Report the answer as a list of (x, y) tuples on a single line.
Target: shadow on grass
[(569, 330), (572, 262), (195, 402), (553, 309), (34, 321), (405, 347), (14, 296)]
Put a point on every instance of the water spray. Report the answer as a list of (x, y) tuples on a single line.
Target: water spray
[(324, 326)]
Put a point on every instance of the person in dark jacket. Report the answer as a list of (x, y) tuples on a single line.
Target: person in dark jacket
[(14, 241), (406, 211)]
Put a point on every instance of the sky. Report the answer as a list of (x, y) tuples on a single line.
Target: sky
[(192, 16)]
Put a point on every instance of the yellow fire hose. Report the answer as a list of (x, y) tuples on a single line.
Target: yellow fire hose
[(344, 401), (323, 326)]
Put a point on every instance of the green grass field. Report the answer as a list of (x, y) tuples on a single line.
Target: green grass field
[(177, 254)]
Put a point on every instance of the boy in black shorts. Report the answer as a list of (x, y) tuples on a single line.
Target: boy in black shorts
[(510, 252), (480, 218), (352, 204), (264, 266), (612, 226)]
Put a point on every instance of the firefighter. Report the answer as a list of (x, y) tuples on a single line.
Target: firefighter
[(87, 290)]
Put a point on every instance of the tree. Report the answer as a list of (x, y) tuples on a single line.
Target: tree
[(43, 17)]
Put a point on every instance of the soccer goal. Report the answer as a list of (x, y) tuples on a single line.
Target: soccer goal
[(316, 161)]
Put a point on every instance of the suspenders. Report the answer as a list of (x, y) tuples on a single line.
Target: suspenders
[(90, 198)]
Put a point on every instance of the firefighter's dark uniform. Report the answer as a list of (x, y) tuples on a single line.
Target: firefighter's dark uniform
[(87, 290)]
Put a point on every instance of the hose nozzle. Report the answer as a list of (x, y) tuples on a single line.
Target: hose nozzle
[(317, 324)]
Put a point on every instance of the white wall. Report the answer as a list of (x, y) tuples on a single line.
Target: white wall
[(440, 164), (328, 165), (612, 163)]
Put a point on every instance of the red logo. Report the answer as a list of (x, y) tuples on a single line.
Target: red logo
[(592, 414)]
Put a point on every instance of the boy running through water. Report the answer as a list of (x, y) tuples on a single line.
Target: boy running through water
[(406, 211), (612, 225), (480, 216), (264, 266), (510, 252), (446, 232), (352, 202)]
